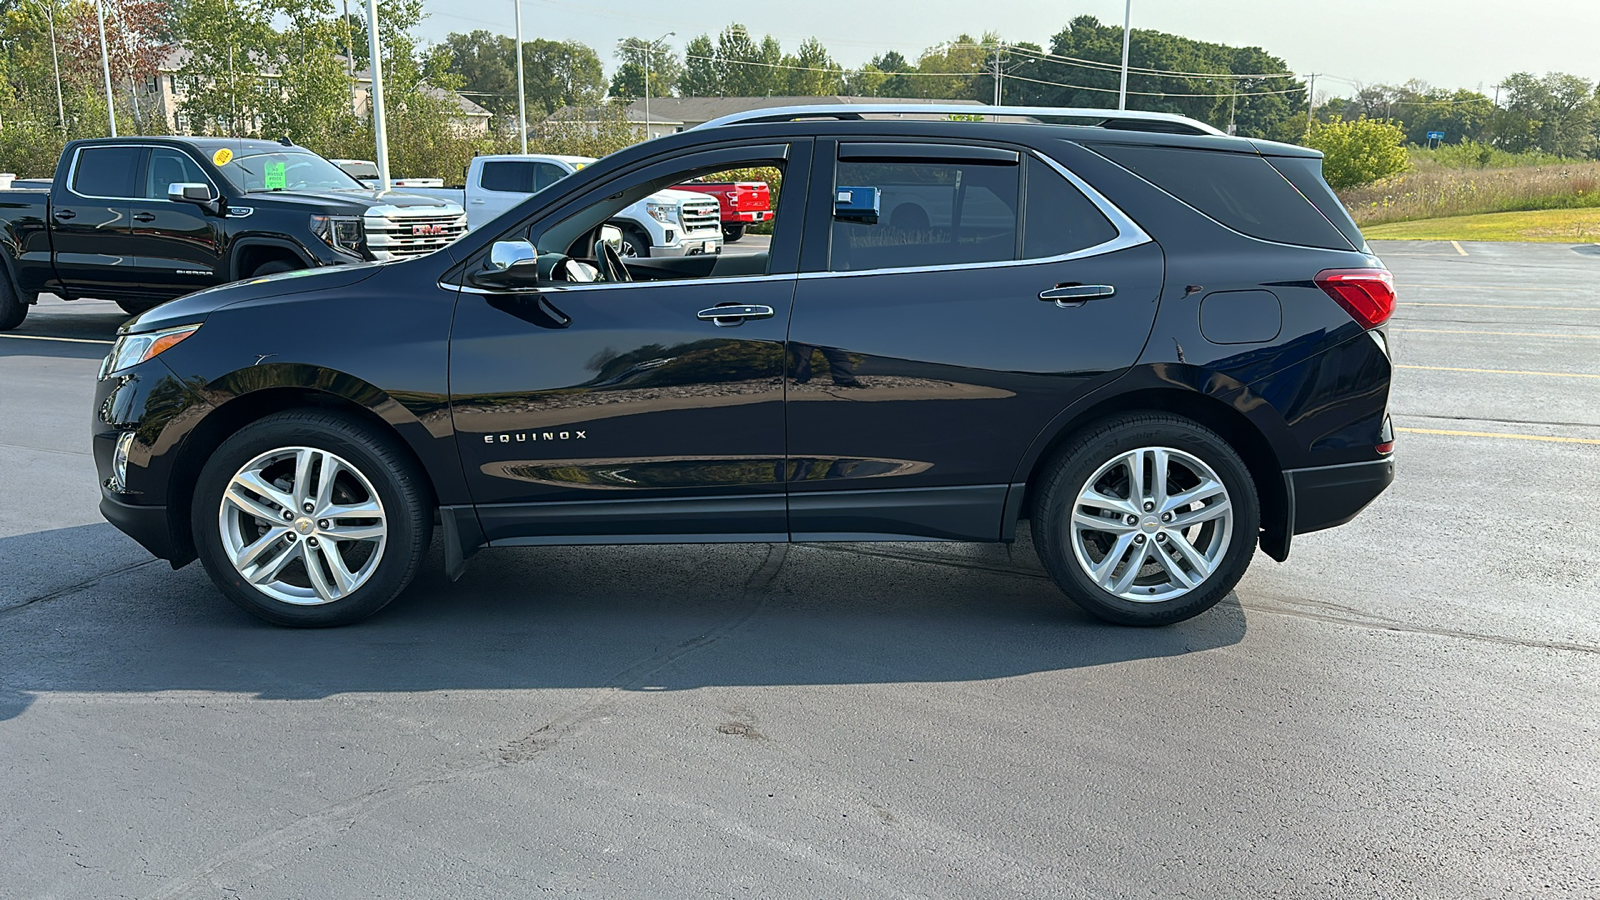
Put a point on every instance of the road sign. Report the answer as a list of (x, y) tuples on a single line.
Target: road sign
[(1435, 135)]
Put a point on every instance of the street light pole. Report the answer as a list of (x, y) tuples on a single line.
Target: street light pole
[(379, 128), (649, 51), (522, 101), (1127, 19), (105, 66), (61, 106)]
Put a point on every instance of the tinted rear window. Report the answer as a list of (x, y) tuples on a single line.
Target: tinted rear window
[(1305, 173), (1241, 191), (513, 177), (1058, 218), (106, 171), (933, 214)]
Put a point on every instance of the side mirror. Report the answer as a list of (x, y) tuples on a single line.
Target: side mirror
[(611, 235), (856, 204), (189, 192), (510, 264)]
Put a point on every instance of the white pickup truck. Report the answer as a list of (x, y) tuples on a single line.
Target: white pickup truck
[(666, 223)]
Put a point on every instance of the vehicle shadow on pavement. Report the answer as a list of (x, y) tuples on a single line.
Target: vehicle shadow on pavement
[(647, 618)]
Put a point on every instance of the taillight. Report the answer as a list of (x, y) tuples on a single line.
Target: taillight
[(1366, 294)]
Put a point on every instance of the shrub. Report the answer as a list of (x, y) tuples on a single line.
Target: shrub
[(1359, 151)]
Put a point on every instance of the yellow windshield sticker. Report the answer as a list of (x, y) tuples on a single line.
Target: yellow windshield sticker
[(221, 157)]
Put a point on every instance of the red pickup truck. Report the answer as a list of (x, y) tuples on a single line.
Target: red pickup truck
[(743, 203)]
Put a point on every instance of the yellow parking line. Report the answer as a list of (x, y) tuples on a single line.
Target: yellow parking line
[(1503, 306), (1591, 337), (41, 337), (1457, 245), (1503, 371), (1499, 434)]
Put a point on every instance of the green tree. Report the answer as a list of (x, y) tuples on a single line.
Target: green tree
[(1555, 114), (628, 81), (702, 76), (748, 68), (810, 72), (1359, 151), (560, 73), (486, 64), (961, 59)]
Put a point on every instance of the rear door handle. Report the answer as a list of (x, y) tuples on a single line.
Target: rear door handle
[(1072, 294), (734, 313), (144, 217), (66, 214)]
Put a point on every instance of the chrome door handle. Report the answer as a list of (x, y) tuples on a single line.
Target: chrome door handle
[(1074, 294), (144, 217), (66, 214), (733, 314)]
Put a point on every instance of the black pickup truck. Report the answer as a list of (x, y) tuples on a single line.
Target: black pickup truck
[(142, 220)]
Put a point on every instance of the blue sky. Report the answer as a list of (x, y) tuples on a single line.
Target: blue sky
[(1467, 43)]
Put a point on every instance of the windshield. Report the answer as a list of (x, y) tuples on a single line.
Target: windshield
[(287, 170)]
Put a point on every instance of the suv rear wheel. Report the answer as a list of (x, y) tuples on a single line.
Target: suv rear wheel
[(308, 519), (1146, 519)]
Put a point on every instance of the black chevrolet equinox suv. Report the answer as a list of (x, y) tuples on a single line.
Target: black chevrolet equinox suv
[(1161, 345)]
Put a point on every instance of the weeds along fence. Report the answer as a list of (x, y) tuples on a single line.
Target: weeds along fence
[(1430, 192)]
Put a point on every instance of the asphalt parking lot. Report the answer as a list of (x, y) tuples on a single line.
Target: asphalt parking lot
[(1406, 708)]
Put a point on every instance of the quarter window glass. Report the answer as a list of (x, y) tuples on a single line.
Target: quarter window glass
[(936, 214), (107, 171), (1059, 219), (510, 176), (1241, 191), (170, 167)]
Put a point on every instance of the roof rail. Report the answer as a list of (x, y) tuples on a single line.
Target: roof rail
[(1117, 119)]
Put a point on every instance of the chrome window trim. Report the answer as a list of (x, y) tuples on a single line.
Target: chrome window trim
[(1129, 234), (612, 286), (72, 173)]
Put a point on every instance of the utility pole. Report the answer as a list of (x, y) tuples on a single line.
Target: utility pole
[(998, 74), (379, 128), (649, 51), (1127, 19), (105, 66), (61, 106), (1311, 102), (350, 60), (522, 100)]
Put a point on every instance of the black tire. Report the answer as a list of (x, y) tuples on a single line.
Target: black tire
[(135, 307), (1069, 472), (13, 309), (273, 267), (634, 244), (394, 477), (732, 233)]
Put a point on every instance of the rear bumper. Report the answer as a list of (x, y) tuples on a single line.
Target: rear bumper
[(753, 217), (1326, 496)]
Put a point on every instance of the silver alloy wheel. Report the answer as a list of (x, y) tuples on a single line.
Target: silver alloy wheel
[(1151, 525), (302, 525)]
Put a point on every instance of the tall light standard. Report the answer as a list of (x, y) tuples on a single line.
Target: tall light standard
[(1127, 19), (380, 129), (61, 106), (649, 51), (105, 66), (522, 102)]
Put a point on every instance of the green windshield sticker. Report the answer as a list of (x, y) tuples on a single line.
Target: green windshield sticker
[(273, 178)]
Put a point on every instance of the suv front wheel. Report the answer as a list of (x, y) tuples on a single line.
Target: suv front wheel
[(1146, 519), (308, 519)]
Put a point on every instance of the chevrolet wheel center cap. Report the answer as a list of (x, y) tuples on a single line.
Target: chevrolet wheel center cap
[(304, 525)]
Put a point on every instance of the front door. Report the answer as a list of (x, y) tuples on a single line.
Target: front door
[(606, 411), (923, 360), (179, 245), (90, 210)]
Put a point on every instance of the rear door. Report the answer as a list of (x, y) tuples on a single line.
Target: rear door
[(179, 246), (503, 183), (922, 361), (90, 215)]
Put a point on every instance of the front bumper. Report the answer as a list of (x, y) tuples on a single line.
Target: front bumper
[(691, 245), (145, 524), (1326, 496)]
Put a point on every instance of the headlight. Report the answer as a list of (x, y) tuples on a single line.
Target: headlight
[(119, 461), (132, 349), (665, 213), (339, 232)]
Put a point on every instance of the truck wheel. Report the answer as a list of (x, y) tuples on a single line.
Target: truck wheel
[(13, 309), (309, 519), (732, 233), (1146, 519), (634, 243), (135, 307), (273, 267)]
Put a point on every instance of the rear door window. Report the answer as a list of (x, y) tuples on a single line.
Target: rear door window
[(107, 172), (545, 174), (1058, 218), (1242, 191), (932, 213), (509, 176)]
